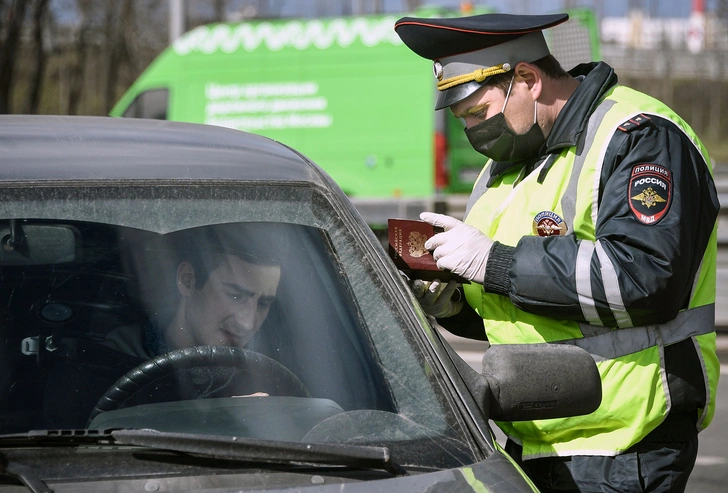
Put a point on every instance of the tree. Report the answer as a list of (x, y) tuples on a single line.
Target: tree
[(79, 55), (40, 14), (13, 15), (116, 50)]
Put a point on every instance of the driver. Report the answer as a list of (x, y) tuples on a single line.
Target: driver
[(219, 283), (226, 279)]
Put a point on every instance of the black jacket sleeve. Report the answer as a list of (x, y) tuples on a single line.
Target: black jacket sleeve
[(640, 272)]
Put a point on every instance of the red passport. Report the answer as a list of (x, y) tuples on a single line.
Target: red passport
[(407, 239)]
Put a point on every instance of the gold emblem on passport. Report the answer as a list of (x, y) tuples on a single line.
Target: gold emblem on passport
[(416, 244)]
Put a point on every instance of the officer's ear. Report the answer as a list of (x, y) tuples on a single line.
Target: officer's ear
[(531, 75), (185, 278)]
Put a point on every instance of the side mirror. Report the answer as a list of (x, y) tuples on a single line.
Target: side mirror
[(523, 382), (540, 381)]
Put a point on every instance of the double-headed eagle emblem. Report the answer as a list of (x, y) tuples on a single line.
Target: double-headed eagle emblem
[(649, 197)]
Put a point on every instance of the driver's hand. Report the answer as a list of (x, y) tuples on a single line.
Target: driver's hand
[(436, 298), (255, 394)]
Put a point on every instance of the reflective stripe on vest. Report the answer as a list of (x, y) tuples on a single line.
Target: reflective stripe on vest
[(568, 201), (605, 343)]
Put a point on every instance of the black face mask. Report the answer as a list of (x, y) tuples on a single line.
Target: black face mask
[(494, 139)]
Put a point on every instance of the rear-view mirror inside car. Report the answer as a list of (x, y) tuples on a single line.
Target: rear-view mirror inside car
[(36, 243)]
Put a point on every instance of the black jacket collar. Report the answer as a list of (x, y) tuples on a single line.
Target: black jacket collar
[(572, 120)]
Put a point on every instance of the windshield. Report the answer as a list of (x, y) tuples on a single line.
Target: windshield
[(247, 311)]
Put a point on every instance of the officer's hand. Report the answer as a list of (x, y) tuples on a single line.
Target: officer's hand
[(461, 248), (436, 298)]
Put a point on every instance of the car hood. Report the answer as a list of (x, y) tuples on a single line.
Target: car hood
[(92, 469)]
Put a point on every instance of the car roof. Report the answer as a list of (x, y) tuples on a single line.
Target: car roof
[(82, 148)]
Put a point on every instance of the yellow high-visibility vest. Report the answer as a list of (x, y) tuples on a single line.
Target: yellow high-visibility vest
[(630, 359)]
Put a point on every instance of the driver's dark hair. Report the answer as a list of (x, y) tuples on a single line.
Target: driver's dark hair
[(256, 242)]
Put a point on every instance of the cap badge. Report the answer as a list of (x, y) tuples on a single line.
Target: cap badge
[(437, 69), (547, 223)]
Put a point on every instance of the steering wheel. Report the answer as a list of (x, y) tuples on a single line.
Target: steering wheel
[(179, 360)]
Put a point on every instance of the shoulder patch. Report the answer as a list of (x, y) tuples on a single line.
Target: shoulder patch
[(634, 122), (650, 192)]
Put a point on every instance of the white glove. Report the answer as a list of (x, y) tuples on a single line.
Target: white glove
[(461, 248), (436, 297)]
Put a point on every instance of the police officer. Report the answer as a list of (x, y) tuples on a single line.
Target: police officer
[(593, 223)]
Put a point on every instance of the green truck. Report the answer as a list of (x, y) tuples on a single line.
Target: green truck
[(343, 91)]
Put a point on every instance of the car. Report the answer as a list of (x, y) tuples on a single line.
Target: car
[(336, 381)]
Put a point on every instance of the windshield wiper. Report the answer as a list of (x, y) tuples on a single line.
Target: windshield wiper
[(33, 437), (24, 474), (255, 450), (223, 447), (27, 475)]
